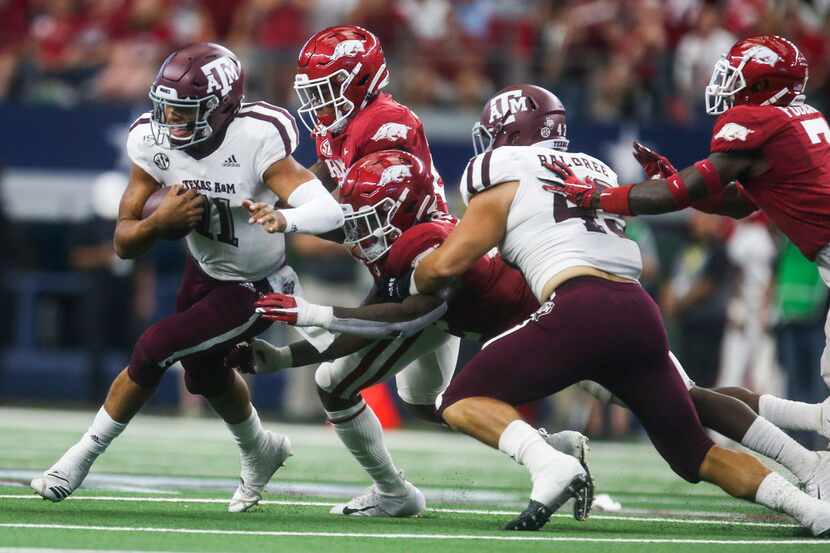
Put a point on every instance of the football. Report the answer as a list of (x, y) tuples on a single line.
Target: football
[(153, 203)]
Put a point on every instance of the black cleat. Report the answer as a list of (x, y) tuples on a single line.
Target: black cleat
[(536, 515)]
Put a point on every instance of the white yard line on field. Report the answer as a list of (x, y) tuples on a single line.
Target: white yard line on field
[(401, 536), (485, 512)]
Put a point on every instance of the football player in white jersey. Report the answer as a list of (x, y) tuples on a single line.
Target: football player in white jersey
[(217, 155), (596, 322)]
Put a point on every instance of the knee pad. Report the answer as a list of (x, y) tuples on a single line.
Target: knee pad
[(323, 377), (144, 369), (207, 380)]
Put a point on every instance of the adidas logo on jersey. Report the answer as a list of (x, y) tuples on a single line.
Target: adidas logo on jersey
[(231, 162)]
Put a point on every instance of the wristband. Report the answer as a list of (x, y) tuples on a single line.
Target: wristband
[(615, 200), (711, 178), (317, 315), (679, 191)]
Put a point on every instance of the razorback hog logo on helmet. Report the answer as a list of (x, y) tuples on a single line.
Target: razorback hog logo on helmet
[(394, 173), (391, 131), (507, 104), (762, 54), (348, 48), (225, 70)]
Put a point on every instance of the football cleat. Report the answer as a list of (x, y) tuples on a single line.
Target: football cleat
[(570, 443), (257, 470), (536, 515), (818, 485), (373, 503), (65, 476)]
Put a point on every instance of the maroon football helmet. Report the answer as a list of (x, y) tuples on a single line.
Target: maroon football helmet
[(383, 195), (196, 93), (340, 68), (761, 71), (521, 115)]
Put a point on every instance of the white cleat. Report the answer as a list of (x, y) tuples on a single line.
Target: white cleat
[(257, 471), (375, 504), (817, 518), (64, 477), (56, 485), (818, 485), (570, 443)]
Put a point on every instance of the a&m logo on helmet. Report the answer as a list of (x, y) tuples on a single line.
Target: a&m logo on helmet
[(348, 48), (221, 73), (394, 173), (507, 104), (762, 54)]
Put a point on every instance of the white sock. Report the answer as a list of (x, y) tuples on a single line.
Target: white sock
[(103, 430), (248, 433), (93, 443), (778, 494), (769, 440), (360, 431), (792, 415), (524, 445)]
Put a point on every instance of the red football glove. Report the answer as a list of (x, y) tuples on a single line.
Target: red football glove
[(655, 165), (579, 191), (292, 310)]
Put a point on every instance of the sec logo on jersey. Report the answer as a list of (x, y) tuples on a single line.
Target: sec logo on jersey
[(162, 161)]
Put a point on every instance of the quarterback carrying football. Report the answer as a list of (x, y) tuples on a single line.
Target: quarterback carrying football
[(225, 153)]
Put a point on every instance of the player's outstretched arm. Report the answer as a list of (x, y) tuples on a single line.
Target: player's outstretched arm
[(259, 356), (134, 235), (480, 230), (704, 184), (373, 321), (312, 209)]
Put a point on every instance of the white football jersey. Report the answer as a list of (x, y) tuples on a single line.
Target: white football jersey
[(547, 234), (225, 246)]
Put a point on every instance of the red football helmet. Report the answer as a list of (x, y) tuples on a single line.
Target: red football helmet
[(340, 70), (383, 195), (521, 115), (761, 71), (195, 94)]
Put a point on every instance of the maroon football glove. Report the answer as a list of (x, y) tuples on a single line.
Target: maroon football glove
[(655, 165), (579, 191)]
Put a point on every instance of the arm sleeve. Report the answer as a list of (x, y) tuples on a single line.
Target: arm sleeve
[(489, 169), (313, 211)]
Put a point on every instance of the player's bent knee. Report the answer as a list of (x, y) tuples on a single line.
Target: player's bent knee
[(145, 368), (333, 403)]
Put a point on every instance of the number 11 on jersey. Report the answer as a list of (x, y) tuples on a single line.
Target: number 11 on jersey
[(226, 229)]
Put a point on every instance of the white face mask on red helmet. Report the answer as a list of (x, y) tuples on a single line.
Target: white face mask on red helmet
[(765, 70), (339, 71)]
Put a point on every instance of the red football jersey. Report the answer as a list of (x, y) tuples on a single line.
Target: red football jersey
[(492, 298), (795, 191), (382, 125)]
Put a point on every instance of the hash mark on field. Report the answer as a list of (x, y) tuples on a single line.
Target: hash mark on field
[(437, 510), (464, 537)]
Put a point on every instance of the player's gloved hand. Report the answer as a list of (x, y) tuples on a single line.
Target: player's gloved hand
[(293, 310), (258, 357), (655, 165), (396, 289), (583, 192)]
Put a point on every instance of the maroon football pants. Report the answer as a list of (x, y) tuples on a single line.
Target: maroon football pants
[(211, 316), (608, 332)]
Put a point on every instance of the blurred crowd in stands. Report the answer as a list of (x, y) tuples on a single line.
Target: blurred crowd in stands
[(607, 59), (744, 307)]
